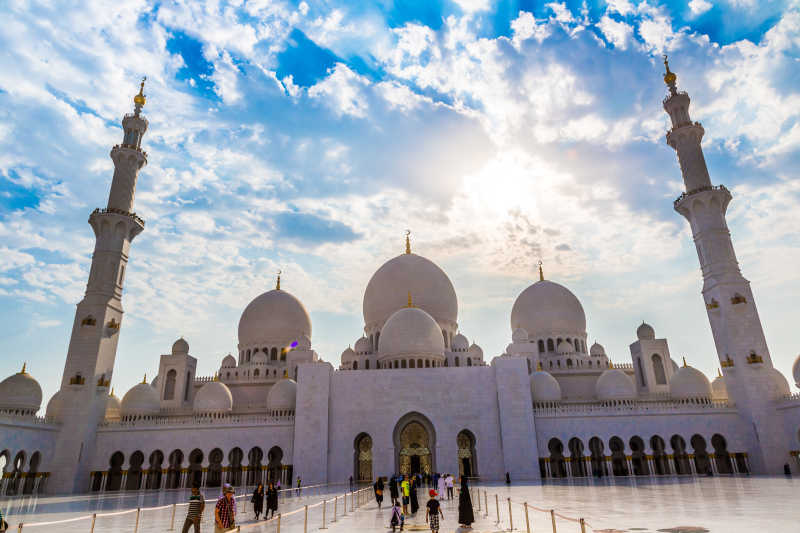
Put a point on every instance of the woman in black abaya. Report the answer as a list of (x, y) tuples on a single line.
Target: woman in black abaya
[(414, 500), (465, 516)]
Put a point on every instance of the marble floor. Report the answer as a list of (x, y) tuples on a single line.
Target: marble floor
[(647, 505)]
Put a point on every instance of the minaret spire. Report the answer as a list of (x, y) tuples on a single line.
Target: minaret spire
[(408, 241), (541, 272), (278, 283)]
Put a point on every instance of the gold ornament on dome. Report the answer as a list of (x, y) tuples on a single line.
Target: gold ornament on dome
[(140, 99)]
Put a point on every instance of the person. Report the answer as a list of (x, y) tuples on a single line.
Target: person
[(786, 470), (4, 524), (393, 492), (414, 502), (433, 512), (398, 518), (351, 483), (465, 516), (272, 500), (258, 500), (195, 512), (378, 491), (405, 488), (225, 511), (508, 478), (442, 486), (450, 482), (298, 486)]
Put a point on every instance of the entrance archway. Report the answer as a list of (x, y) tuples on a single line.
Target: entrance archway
[(415, 445), (363, 457), (467, 464)]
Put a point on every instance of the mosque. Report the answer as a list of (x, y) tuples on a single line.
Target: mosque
[(413, 394)]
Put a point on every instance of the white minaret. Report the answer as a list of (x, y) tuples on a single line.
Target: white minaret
[(738, 335), (95, 331)]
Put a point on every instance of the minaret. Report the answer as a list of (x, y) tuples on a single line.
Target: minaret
[(95, 330), (738, 335)]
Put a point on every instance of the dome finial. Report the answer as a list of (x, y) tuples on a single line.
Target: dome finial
[(112, 391), (408, 241), (216, 376), (139, 100), (24, 366), (611, 364), (719, 373), (541, 273), (144, 380), (669, 77), (410, 302), (684, 362), (539, 366), (278, 283)]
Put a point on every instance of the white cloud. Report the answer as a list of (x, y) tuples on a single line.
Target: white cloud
[(525, 27), (561, 12), (698, 7), (342, 91), (615, 31)]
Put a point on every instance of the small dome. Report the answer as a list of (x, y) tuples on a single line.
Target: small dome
[(544, 387), (460, 342), (273, 318), (303, 343), (348, 355), (282, 396), (228, 361), (259, 358), (476, 351), (363, 346), (645, 332), (614, 384), (780, 386), (687, 383), (54, 406), (411, 331), (564, 347), (597, 350), (180, 347), (547, 308), (213, 397), (20, 392), (796, 371), (519, 335), (719, 391), (113, 408), (141, 400)]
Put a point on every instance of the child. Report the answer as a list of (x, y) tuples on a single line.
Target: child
[(398, 518), (433, 512)]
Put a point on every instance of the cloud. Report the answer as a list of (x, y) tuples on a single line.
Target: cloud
[(617, 32), (698, 7)]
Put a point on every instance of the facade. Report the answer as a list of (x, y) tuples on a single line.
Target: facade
[(550, 406)]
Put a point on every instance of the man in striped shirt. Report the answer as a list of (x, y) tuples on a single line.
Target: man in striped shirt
[(196, 506)]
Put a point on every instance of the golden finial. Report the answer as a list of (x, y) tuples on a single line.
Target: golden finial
[(410, 302), (285, 374), (541, 273), (216, 376), (408, 241), (684, 361), (539, 366), (610, 364), (112, 391), (719, 373), (139, 99), (669, 76), (24, 365), (278, 284), (144, 380)]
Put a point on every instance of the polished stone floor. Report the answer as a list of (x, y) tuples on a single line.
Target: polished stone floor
[(671, 505)]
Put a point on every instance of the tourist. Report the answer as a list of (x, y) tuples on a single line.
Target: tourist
[(508, 478), (378, 486), (433, 511), (450, 482), (393, 492), (225, 511), (258, 500), (414, 501), (4, 524), (351, 483), (442, 486), (405, 488), (195, 512), (465, 516), (297, 491), (398, 518), (272, 500)]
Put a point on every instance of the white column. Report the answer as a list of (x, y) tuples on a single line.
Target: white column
[(692, 466), (630, 465), (651, 465), (547, 467), (713, 458), (103, 480), (124, 480), (734, 464)]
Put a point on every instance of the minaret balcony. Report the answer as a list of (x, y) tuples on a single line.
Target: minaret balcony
[(111, 210), (680, 199)]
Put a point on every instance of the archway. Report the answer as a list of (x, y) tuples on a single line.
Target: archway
[(721, 455), (215, 459), (115, 471), (660, 459), (597, 457), (174, 470), (619, 464), (467, 463), (33, 469), (702, 463), (576, 458), (679, 455), (235, 457), (558, 466), (638, 457), (154, 470), (415, 444), (135, 471), (274, 467), (254, 458), (362, 457), (195, 468)]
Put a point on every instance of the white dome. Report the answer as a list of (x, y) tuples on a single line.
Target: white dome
[(547, 308), (141, 400), (519, 335), (688, 382), (476, 350), (544, 387), (180, 347), (411, 331), (113, 407), (674, 365), (363, 346), (645, 332), (348, 355), (780, 386), (275, 318), (564, 347), (614, 384), (460, 342), (282, 396), (303, 343), (796, 371), (719, 391), (228, 361), (20, 392), (213, 397), (597, 350), (54, 406), (431, 289), (259, 358)]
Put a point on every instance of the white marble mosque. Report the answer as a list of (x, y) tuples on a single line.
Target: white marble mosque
[(413, 394)]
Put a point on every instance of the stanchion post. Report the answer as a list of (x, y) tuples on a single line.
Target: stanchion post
[(305, 520), (344, 513), (279, 523), (138, 512), (485, 503), (527, 521), (553, 519), (583, 525), (479, 501), (172, 520), (19, 529), (510, 516), (497, 507), (324, 509), (94, 519)]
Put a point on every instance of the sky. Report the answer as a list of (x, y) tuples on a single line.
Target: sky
[(308, 136)]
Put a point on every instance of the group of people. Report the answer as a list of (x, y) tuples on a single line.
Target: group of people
[(271, 496), (404, 489), (225, 513)]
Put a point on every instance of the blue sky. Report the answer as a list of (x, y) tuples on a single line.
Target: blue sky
[(307, 136)]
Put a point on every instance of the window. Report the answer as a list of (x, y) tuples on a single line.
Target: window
[(457, 361), (541, 346), (427, 363), (273, 354), (283, 354), (641, 372), (469, 361), (256, 373), (188, 387), (169, 386), (658, 369), (411, 364), (355, 365), (403, 363), (550, 346)]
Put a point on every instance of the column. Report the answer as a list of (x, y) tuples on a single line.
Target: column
[(205, 476), (630, 464), (734, 464), (163, 482), (547, 467), (692, 466), (651, 465), (568, 461), (713, 458), (747, 462), (607, 466), (103, 480), (124, 482)]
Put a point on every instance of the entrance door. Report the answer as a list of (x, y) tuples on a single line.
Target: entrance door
[(415, 465), (467, 467)]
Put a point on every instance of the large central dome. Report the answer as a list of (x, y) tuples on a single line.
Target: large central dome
[(431, 289), (275, 318), (547, 308)]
